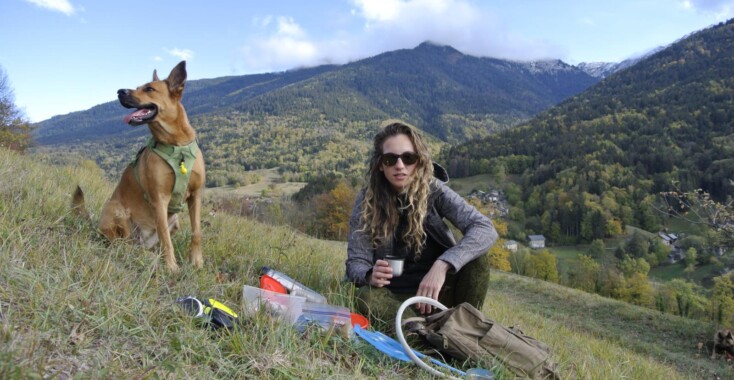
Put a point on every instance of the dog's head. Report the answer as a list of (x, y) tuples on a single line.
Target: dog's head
[(725, 338), (159, 100)]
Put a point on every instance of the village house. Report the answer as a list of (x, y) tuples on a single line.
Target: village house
[(499, 208), (668, 238), (511, 245), (536, 241)]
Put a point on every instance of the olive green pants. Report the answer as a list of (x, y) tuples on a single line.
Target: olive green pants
[(470, 285)]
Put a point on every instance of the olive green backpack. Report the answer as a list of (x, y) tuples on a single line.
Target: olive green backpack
[(463, 332)]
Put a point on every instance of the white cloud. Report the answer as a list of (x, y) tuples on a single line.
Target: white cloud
[(400, 23), (62, 6), (280, 43), (286, 47), (288, 27), (379, 10), (184, 54), (722, 9)]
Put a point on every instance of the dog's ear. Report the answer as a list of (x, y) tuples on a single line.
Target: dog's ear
[(729, 335), (155, 76), (177, 78)]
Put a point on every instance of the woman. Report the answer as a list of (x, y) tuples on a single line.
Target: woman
[(400, 213)]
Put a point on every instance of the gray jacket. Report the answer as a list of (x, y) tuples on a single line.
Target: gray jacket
[(443, 202)]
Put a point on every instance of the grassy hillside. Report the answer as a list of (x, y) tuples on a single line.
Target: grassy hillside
[(72, 305)]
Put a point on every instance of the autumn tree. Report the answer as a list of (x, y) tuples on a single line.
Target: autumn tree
[(722, 301), (544, 265), (520, 261), (15, 130), (658, 252), (630, 266), (333, 210), (690, 257), (637, 290), (610, 281), (584, 274), (499, 256), (681, 297)]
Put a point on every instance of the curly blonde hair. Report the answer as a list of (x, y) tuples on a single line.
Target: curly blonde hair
[(382, 206)]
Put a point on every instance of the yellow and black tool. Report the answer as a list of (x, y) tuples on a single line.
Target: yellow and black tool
[(214, 313)]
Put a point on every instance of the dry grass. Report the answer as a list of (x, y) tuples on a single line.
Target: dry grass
[(72, 305)]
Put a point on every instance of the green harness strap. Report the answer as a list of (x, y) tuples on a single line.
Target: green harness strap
[(181, 160)]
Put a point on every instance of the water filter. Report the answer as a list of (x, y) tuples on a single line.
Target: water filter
[(294, 287)]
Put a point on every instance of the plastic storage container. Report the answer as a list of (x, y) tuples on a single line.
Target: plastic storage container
[(286, 306), (326, 317)]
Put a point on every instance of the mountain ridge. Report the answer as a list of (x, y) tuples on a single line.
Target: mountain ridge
[(223, 93), (299, 120), (662, 125)]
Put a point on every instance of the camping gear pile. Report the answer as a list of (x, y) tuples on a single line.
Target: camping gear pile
[(461, 332), (281, 296)]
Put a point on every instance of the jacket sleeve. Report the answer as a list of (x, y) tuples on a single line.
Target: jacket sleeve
[(478, 231), (360, 253)]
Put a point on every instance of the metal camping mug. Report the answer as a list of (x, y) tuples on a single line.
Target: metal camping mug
[(396, 263)]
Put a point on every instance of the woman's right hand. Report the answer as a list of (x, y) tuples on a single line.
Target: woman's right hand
[(381, 274)]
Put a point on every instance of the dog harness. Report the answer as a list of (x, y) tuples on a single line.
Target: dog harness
[(181, 160)]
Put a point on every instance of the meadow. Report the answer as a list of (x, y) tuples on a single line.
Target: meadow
[(75, 306)]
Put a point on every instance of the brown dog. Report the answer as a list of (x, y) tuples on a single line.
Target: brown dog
[(168, 171), (723, 344)]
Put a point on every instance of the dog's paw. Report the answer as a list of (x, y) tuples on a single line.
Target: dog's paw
[(173, 267)]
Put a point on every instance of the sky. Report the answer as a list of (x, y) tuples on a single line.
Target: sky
[(61, 56)]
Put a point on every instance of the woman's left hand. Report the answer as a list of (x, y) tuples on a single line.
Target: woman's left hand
[(431, 284)]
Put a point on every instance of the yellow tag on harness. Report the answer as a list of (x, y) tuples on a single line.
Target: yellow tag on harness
[(218, 305), (183, 168)]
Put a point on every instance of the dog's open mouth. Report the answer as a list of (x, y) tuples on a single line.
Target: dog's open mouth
[(141, 115)]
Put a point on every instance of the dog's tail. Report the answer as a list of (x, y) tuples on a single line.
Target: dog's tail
[(78, 206)]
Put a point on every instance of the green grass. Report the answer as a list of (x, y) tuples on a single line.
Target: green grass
[(465, 185), (270, 181), (484, 182), (668, 272), (566, 255), (74, 306), (672, 271)]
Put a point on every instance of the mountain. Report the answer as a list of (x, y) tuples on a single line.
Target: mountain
[(598, 161), (598, 69), (425, 84), (602, 70), (317, 120), (201, 97)]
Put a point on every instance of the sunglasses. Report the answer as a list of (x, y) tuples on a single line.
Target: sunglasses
[(390, 159)]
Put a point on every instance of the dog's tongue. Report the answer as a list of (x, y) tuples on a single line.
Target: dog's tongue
[(138, 115)]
